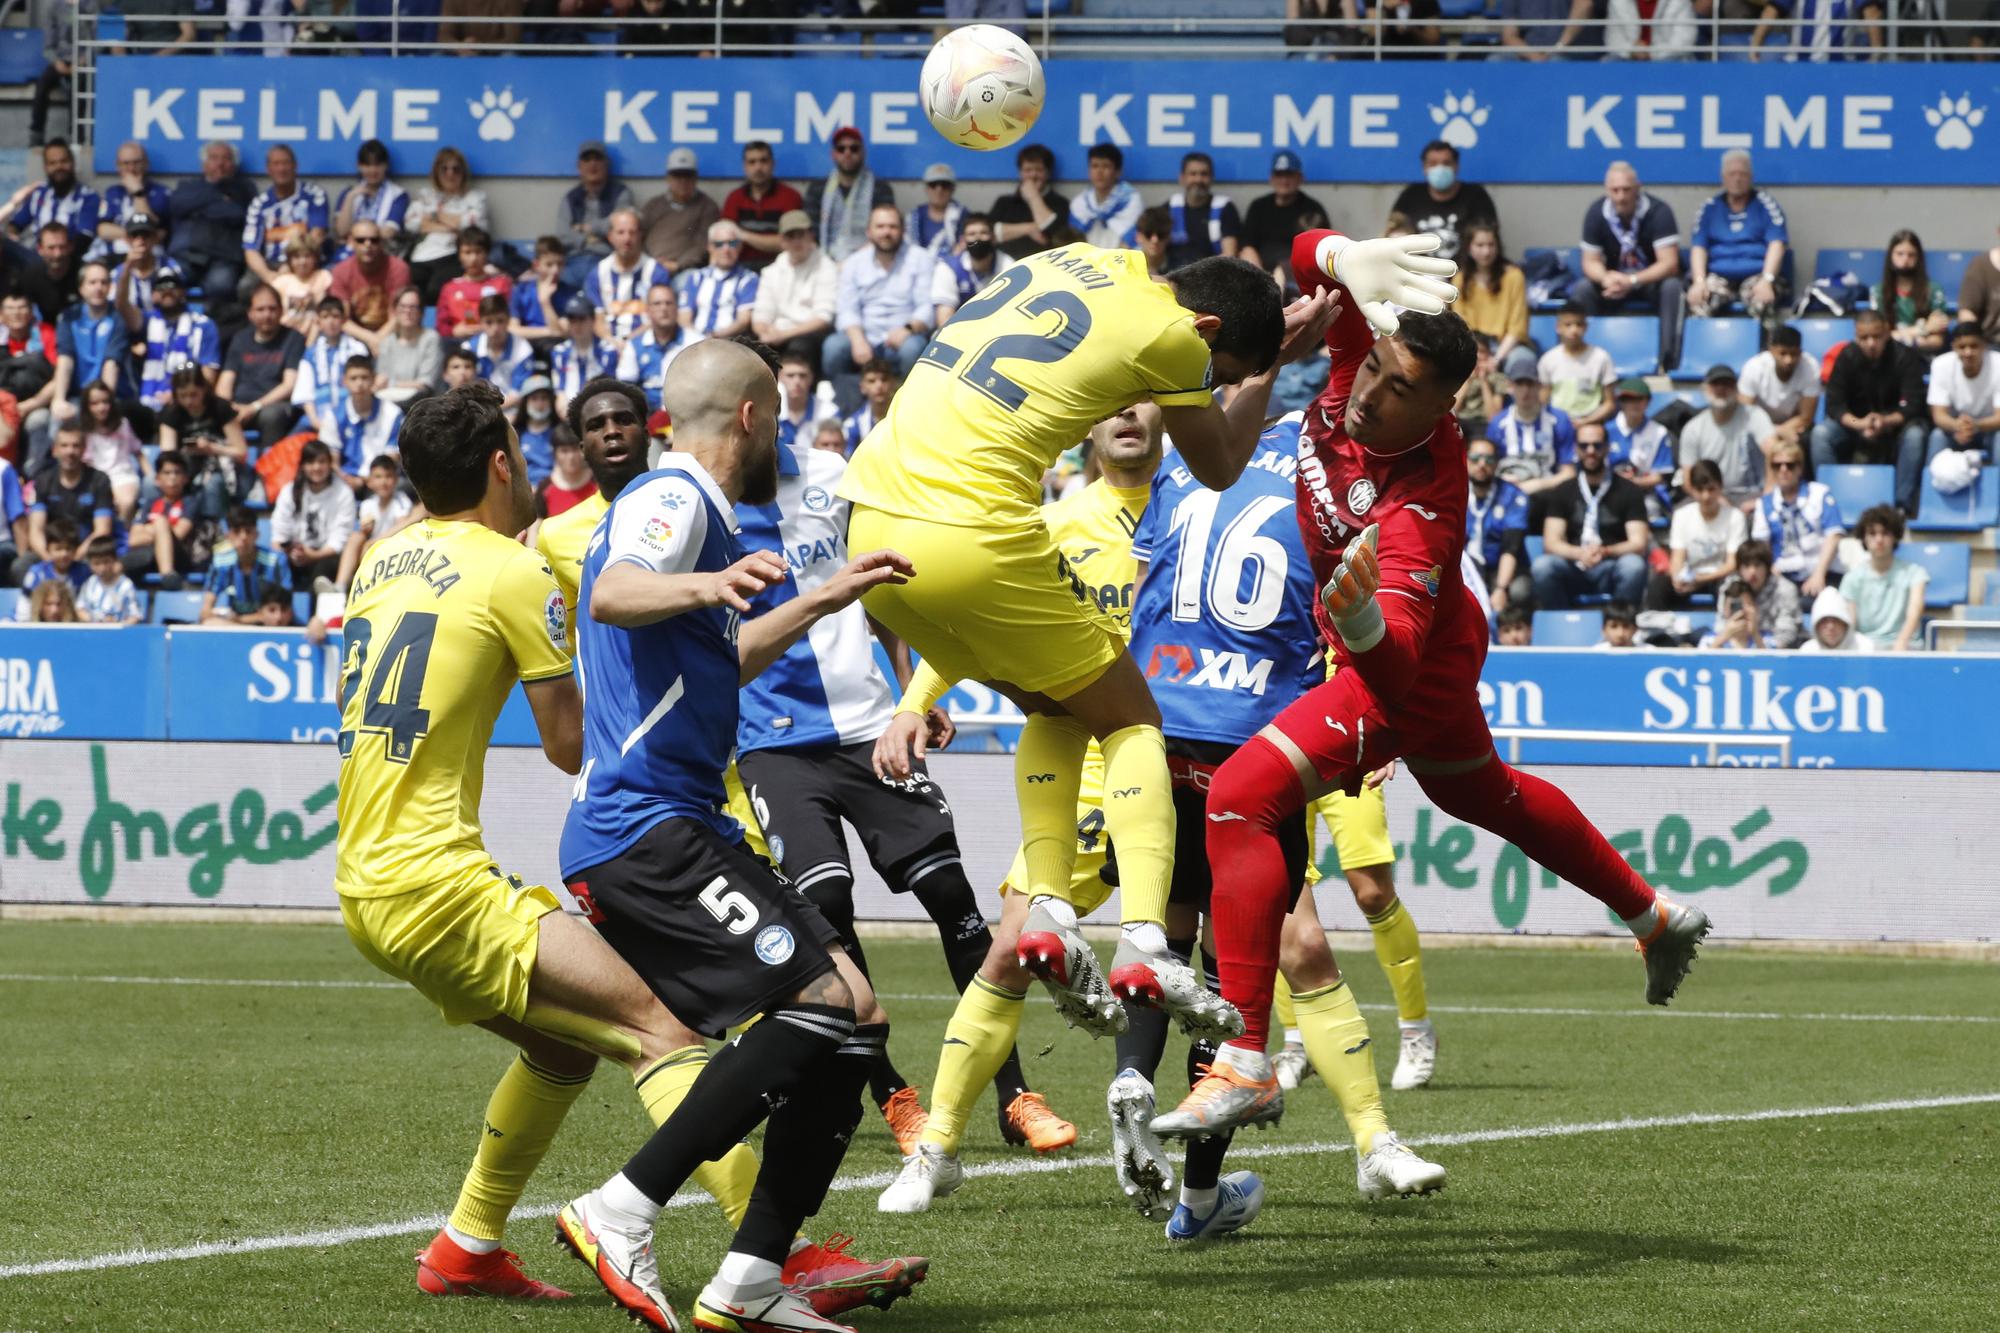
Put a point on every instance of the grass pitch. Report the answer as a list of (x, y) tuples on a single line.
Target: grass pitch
[(280, 1152)]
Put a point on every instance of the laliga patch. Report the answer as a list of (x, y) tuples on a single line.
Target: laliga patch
[(1360, 497), (657, 533), (774, 945), (1429, 579), (554, 613)]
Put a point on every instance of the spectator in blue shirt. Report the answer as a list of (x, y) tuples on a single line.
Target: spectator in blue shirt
[(13, 517), (372, 198), (206, 215), (1631, 256), (1737, 251), (1827, 30), (1537, 442), (716, 299), (1496, 527), (934, 223), (58, 197), (879, 382), (540, 297), (174, 337), (134, 192), (240, 572), (883, 305), (290, 208), (60, 543), (91, 342)]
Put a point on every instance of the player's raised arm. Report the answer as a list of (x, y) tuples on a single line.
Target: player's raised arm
[(764, 640), (1379, 274)]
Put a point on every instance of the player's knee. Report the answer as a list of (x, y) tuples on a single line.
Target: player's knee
[(1304, 955), (830, 888), (1374, 890), (1255, 786), (829, 989)]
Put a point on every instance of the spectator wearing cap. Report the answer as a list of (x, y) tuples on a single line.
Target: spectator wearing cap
[(1875, 406), (1594, 533), (645, 358), (205, 215), (1964, 395), (934, 223), (262, 368), (134, 192), (536, 421), (1537, 442), (459, 303), (290, 209), (58, 197), (1737, 249), (174, 337), (373, 197), (841, 203), (716, 300), (796, 294), (958, 276), (1777, 598), (1642, 450), (1496, 527), (1885, 595), (1107, 212), (1780, 380), (1442, 203), (1204, 223), (758, 207), (584, 213), (1701, 544), (1730, 433), (1631, 256), (581, 357), (369, 280), (618, 283), (1833, 627), (1275, 218), (1798, 521), (674, 225), (1024, 217), (882, 306)]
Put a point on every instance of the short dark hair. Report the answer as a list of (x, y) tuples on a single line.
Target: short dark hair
[(1155, 221), (1109, 152), (1786, 336), (1704, 474), (1515, 614), (491, 305), (461, 353), (61, 529), (171, 458), (549, 245), (1869, 315), (1620, 613), (358, 362), (331, 305), (53, 229), (274, 595), (475, 237), (1965, 328), (1439, 146), (389, 461), (1036, 152), (634, 395), (1197, 156), (373, 151), (878, 366), (1444, 343), (242, 519), (796, 359), (447, 440), (101, 548), (1886, 517), (970, 218), (1572, 308), (1244, 297), (756, 144), (1734, 589), (1753, 552)]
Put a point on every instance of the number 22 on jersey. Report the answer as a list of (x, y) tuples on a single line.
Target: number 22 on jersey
[(958, 339)]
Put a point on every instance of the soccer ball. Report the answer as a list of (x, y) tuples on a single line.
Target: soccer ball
[(982, 87)]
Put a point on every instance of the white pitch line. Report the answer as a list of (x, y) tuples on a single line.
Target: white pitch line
[(314, 1240), (277, 983)]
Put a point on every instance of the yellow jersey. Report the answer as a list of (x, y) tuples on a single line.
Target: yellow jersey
[(1049, 348), (562, 541), (442, 619), (1093, 529)]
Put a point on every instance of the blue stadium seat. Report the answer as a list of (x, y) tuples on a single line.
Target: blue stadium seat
[(1973, 509), (1532, 544), (1568, 629), (1632, 340), (175, 608), (264, 530), (1461, 9), (21, 55), (1947, 270), (111, 26), (1993, 589), (1692, 395), (1950, 566), (1542, 329), (1816, 336), (302, 607), (9, 598), (1572, 261), (1863, 264), (1700, 622), (1704, 342), (1857, 486)]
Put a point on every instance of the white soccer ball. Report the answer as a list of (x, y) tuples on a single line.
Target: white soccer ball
[(982, 87)]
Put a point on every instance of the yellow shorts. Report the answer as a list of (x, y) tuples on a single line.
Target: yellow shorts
[(1360, 827), (467, 942), (1087, 890), (989, 604)]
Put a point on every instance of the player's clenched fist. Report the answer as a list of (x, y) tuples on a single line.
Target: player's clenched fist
[(735, 586), (1349, 595)]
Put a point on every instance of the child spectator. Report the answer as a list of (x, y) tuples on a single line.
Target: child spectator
[(1918, 310), (1833, 627), (363, 426), (535, 423), (1964, 395), (1732, 435), (91, 342), (385, 510), (1800, 521), (571, 483), (537, 303), (240, 573), (1777, 599), (202, 426), (1642, 450), (1701, 545), (1537, 442), (323, 365), (314, 517), (111, 446), (879, 382), (1780, 380), (107, 596), (461, 367), (1492, 291), (1738, 628), (410, 357), (504, 361), (1516, 627), (1885, 596), (52, 602), (176, 339), (59, 541), (830, 436), (1578, 375), (164, 540), (1621, 628), (301, 284), (581, 357), (66, 488), (461, 306)]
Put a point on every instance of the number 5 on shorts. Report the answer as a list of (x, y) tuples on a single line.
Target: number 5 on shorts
[(726, 905)]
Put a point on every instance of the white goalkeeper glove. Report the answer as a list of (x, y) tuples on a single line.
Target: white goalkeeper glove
[(1391, 271)]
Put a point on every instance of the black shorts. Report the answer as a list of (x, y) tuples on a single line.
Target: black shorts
[(715, 933), (801, 796), (1192, 765)]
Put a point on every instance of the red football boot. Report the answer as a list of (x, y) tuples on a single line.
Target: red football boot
[(447, 1269), (835, 1281)]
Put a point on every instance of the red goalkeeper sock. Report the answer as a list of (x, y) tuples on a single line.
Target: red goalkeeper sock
[(1253, 792), (1536, 817)]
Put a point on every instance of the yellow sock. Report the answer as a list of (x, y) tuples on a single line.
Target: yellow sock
[(1139, 816), (1281, 1005), (522, 1116), (662, 1086), (1337, 1041), (1048, 769), (976, 1042), (1402, 959)]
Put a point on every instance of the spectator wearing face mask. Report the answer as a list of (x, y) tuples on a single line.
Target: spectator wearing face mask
[(1442, 203)]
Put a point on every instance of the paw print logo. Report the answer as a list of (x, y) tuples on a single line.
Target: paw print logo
[(1954, 121), (1459, 120), (496, 114)]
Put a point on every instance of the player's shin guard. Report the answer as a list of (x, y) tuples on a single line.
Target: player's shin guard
[(1144, 1041), (662, 1086), (729, 1098), (522, 1116), (1253, 793), (1401, 956), (1336, 1037), (1048, 770), (976, 1043), (1201, 1169), (804, 1143), (1536, 817), (1139, 818)]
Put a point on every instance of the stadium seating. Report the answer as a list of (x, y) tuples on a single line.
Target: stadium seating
[(1947, 269), (1568, 629), (1816, 336), (1632, 340), (9, 599), (175, 608), (1973, 509), (1706, 342), (1532, 546), (1950, 566), (1863, 264), (1856, 486), (1700, 622)]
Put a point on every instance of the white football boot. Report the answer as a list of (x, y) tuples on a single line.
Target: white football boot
[(928, 1173), (1388, 1170), (1144, 1173), (1162, 981), (1418, 1060)]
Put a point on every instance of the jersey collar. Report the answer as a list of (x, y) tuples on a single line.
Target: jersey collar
[(686, 464)]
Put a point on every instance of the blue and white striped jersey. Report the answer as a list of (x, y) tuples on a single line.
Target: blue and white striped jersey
[(659, 701), (645, 359), (826, 689), (714, 297), (620, 294)]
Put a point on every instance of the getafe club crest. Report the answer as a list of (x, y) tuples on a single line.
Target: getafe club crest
[(1360, 497)]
